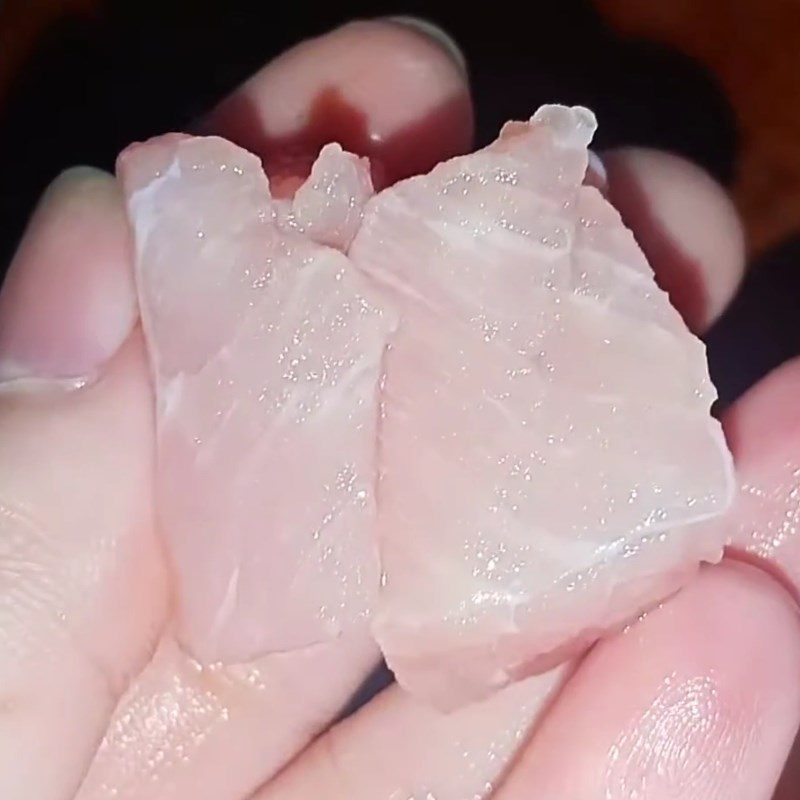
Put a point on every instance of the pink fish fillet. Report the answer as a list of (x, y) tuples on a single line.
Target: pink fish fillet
[(267, 351), (460, 409), (546, 439)]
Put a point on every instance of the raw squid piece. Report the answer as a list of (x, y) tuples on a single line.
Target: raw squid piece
[(546, 440)]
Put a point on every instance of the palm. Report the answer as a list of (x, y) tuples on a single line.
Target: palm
[(697, 700)]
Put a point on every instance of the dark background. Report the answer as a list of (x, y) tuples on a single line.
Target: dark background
[(93, 81)]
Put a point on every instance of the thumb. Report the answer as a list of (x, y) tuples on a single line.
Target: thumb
[(82, 589)]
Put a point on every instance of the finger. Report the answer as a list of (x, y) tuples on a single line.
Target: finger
[(68, 300), (82, 594), (395, 92), (397, 746), (686, 225), (763, 430), (700, 699), (246, 728), (184, 730)]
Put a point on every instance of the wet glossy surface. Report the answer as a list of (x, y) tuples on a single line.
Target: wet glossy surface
[(488, 395), (267, 371), (546, 430)]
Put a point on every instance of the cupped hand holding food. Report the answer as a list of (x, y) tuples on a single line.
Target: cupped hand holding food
[(213, 666)]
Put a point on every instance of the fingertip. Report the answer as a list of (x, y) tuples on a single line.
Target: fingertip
[(386, 89), (685, 223), (68, 301), (698, 699), (431, 30), (763, 431)]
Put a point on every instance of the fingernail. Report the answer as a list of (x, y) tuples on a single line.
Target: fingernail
[(68, 301), (433, 31), (596, 174)]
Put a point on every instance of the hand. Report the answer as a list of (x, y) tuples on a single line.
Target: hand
[(698, 700)]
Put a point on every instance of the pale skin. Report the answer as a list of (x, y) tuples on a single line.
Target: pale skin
[(698, 700)]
